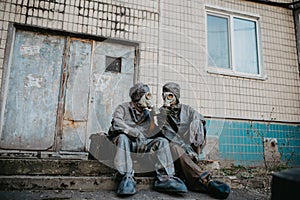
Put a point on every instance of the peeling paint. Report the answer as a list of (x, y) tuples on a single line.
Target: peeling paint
[(29, 50), (34, 81), (101, 82)]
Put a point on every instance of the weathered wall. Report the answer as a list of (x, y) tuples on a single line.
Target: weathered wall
[(125, 20), (181, 40)]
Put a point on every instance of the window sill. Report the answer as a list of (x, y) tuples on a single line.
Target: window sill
[(226, 72)]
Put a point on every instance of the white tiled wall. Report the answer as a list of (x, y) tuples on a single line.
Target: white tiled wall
[(172, 38), (214, 95)]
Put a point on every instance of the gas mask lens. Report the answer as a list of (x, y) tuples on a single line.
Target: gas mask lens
[(145, 101), (168, 95), (148, 96), (168, 98)]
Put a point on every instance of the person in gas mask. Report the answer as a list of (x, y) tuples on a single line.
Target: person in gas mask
[(130, 132), (185, 129)]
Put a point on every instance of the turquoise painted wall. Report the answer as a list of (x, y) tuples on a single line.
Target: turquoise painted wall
[(241, 142)]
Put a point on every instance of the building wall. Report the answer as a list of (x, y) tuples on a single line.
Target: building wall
[(172, 47), (183, 51), (254, 143), (264, 103)]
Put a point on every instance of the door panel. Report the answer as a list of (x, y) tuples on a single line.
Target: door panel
[(108, 87), (76, 100), (104, 88), (31, 88)]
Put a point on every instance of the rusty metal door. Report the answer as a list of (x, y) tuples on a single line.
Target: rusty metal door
[(99, 84), (31, 87), (59, 90)]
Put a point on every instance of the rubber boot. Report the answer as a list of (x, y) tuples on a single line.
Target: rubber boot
[(127, 186)]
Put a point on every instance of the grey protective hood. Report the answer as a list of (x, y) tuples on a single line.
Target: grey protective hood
[(172, 87), (137, 91)]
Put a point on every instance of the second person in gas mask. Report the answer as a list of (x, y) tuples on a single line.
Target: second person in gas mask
[(184, 127)]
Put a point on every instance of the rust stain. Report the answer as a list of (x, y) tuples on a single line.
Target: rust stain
[(67, 116), (73, 124), (70, 123)]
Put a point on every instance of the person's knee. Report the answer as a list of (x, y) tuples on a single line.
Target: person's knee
[(162, 142), (122, 138), (175, 147), (177, 150)]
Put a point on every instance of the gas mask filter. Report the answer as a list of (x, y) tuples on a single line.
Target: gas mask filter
[(145, 101), (169, 98)]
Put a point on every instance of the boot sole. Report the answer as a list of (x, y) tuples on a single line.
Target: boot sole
[(126, 194), (171, 191)]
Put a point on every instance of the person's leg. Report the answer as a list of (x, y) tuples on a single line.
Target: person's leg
[(195, 178), (123, 161), (166, 180), (123, 164), (187, 169), (160, 148)]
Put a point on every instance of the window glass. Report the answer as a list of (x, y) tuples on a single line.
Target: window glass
[(232, 43), (218, 44), (245, 46)]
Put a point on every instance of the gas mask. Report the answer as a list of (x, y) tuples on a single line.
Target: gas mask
[(145, 101), (169, 98)]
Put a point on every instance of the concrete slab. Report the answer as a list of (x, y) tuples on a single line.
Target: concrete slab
[(87, 183)]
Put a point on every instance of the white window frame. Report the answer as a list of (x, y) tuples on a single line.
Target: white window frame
[(230, 15)]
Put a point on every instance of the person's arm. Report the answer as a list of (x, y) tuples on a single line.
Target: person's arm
[(119, 124), (197, 130)]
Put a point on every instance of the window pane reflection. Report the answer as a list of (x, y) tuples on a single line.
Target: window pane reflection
[(218, 44), (245, 45)]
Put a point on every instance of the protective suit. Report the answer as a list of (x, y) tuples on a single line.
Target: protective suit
[(184, 127), (130, 128)]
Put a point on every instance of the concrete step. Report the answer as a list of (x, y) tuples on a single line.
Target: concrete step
[(61, 167), (60, 174), (54, 167), (81, 183)]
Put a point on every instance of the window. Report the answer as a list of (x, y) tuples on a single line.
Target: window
[(232, 44), (113, 64)]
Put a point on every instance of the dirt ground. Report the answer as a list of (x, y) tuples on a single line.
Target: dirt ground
[(249, 179)]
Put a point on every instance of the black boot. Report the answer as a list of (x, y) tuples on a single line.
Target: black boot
[(203, 181), (127, 186), (218, 189), (214, 188), (170, 185)]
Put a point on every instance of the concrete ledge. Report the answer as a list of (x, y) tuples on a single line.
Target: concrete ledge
[(49, 167), (53, 167), (86, 183)]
